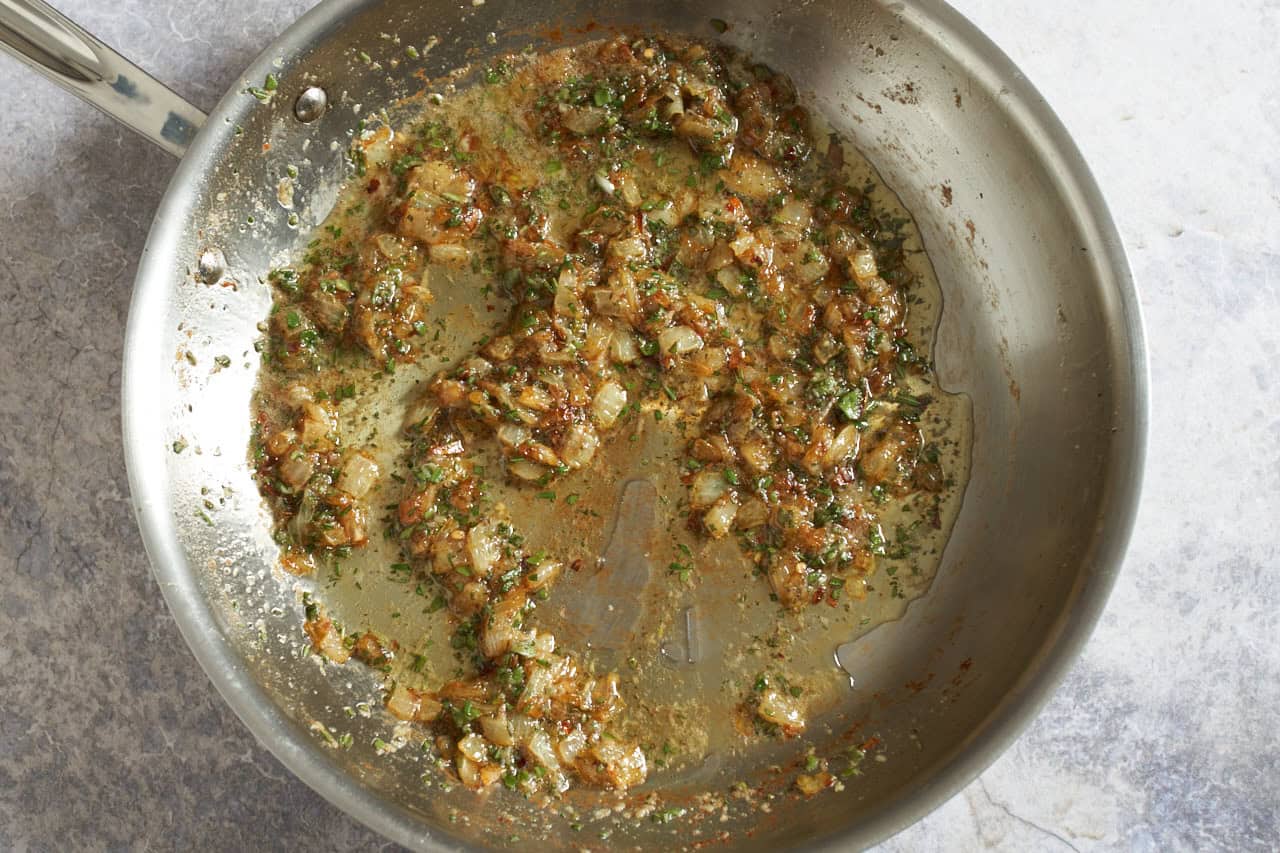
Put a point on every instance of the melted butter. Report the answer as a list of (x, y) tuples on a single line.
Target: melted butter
[(701, 636)]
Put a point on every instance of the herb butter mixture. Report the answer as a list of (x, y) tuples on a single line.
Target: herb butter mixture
[(658, 235)]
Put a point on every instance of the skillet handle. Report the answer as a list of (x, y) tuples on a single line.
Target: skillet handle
[(44, 39)]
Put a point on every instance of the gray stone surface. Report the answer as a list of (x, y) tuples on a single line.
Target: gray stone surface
[(1163, 738)]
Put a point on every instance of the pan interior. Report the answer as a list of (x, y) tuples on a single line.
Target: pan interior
[(1038, 330)]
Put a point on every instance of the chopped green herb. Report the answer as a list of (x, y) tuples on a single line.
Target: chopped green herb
[(850, 404)]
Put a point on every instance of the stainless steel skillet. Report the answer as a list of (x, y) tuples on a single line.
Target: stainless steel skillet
[(1040, 328)]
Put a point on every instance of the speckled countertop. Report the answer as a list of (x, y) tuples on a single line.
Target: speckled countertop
[(1166, 736)]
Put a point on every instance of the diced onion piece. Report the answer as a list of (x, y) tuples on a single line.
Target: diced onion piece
[(565, 303), (282, 442), (826, 348), (710, 363), (513, 435), (679, 340), (571, 745), (579, 389), (496, 730), (544, 643), (450, 254), (469, 772), (468, 601), (707, 488), (583, 120), (664, 213), (606, 186), (484, 546), (628, 190), (843, 446), (697, 128), (450, 393), (623, 348), (500, 632), (813, 265), (297, 394), (743, 245), (788, 577), (751, 514), (552, 352), (523, 469), (473, 746), (536, 685), (355, 526), (617, 764), (377, 146), (579, 447), (753, 177), (627, 250), (719, 256), (696, 86), (295, 471), (730, 278), (326, 639), (540, 750), (686, 202), (719, 519), (863, 265), (536, 397), (822, 295), (750, 250), (810, 784), (542, 575), (884, 459), (429, 708), (606, 697), (620, 298), (475, 368), (711, 448), (540, 747), (540, 684), (359, 475), (672, 103), (522, 728), (317, 423), (608, 404), (390, 246), (490, 773), (403, 703), (795, 213), (599, 337), (434, 178), (782, 710), (540, 453), (755, 453)]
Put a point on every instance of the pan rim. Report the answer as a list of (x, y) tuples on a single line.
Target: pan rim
[(290, 744)]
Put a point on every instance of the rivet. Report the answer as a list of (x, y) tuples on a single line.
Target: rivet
[(211, 266), (311, 104)]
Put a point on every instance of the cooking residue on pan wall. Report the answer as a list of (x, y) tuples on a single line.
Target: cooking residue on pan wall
[(601, 410)]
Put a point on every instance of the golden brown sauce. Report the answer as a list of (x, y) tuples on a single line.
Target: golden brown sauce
[(583, 172)]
